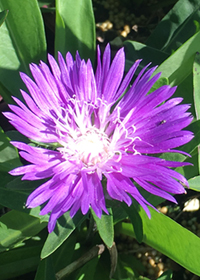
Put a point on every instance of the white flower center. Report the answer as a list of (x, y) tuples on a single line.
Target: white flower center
[(92, 147)]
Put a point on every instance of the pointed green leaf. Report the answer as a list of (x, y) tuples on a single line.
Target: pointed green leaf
[(170, 238), (105, 227), (9, 158), (57, 261), (14, 195), (75, 28), (196, 82), (23, 42), (195, 128), (173, 23), (65, 226), (180, 64), (136, 50), (117, 211), (64, 254), (45, 270), (21, 260), (135, 220), (17, 226), (159, 83), (194, 183), (3, 16)]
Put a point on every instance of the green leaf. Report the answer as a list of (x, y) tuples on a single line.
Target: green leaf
[(21, 260), (180, 64), (105, 227), (159, 83), (5, 178), (117, 211), (64, 228), (174, 26), (88, 270), (75, 28), (16, 226), (24, 42), (170, 238), (57, 261), (3, 16), (195, 128), (194, 183), (45, 270), (135, 220), (9, 158), (178, 68), (129, 267), (167, 275), (15, 135), (196, 82), (196, 91), (14, 196), (136, 50), (64, 254)]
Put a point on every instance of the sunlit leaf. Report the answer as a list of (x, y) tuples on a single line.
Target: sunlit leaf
[(196, 81), (169, 238), (64, 228), (194, 183), (180, 64), (22, 42), (176, 27), (75, 28), (105, 227), (17, 226)]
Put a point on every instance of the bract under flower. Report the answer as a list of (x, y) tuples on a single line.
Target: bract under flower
[(98, 134)]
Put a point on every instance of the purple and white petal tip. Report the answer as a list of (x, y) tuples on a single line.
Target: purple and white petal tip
[(98, 135)]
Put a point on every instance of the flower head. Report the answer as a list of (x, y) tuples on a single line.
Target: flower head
[(96, 131)]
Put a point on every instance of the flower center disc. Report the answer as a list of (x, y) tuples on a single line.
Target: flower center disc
[(92, 147)]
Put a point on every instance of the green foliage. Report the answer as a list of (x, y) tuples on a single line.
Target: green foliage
[(21, 260), (178, 243), (75, 28), (105, 227), (9, 157), (24, 42), (45, 270), (3, 16), (176, 27), (17, 226), (65, 226), (135, 220), (24, 243), (196, 82), (194, 183)]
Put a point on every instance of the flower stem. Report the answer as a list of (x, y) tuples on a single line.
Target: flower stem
[(92, 253)]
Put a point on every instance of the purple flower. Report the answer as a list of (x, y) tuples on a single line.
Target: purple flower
[(96, 132)]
